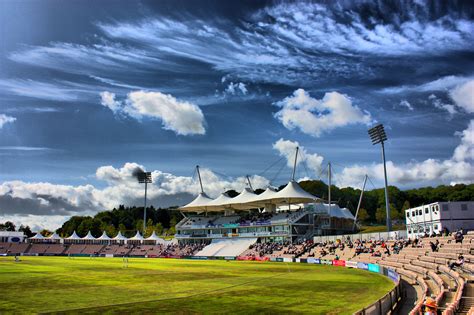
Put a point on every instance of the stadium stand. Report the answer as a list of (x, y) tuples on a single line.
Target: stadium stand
[(226, 248)]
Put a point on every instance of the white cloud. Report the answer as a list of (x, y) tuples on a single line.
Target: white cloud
[(313, 116), (442, 84), (405, 103), (438, 103), (235, 88), (465, 150), (108, 100), (287, 148), (4, 119), (25, 201), (184, 118), (458, 169), (463, 96)]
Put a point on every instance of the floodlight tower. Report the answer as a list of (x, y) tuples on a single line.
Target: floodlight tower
[(144, 178), (377, 135)]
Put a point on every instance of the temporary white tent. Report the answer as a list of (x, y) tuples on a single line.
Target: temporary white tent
[(120, 237), (137, 237), (73, 236), (198, 204), (89, 237), (38, 236), (155, 238), (55, 237), (104, 237)]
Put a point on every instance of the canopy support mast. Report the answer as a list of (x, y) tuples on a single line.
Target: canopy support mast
[(294, 166), (360, 201), (248, 181), (199, 176), (329, 189)]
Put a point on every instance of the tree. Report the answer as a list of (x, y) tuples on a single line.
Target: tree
[(159, 228), (26, 230), (149, 228), (363, 216), (380, 215), (8, 226), (46, 232)]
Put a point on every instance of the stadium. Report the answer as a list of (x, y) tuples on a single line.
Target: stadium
[(237, 157)]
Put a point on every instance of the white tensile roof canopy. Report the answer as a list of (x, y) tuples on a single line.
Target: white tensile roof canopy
[(104, 236), (89, 236), (120, 237), (38, 236), (247, 199), (74, 236), (198, 204), (54, 236)]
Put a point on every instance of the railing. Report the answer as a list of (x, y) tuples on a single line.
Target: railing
[(385, 304), (364, 236)]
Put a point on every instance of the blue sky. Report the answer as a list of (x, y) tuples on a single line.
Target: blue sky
[(90, 90)]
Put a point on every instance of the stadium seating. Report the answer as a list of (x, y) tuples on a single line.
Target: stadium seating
[(224, 247)]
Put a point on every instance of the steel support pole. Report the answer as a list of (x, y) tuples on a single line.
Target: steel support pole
[(387, 204), (144, 210), (360, 202)]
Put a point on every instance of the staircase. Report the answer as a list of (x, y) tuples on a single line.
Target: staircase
[(467, 300)]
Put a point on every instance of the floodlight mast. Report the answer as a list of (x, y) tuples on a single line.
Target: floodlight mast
[(377, 135), (144, 178)]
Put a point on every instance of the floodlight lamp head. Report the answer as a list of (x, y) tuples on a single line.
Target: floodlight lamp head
[(144, 177), (377, 134)]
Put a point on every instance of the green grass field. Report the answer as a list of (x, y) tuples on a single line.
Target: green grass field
[(103, 285)]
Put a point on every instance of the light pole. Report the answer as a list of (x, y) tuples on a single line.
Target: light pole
[(377, 135), (144, 178)]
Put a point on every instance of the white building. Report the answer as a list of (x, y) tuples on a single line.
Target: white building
[(13, 237), (436, 216)]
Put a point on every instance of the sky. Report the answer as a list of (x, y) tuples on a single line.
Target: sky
[(92, 90)]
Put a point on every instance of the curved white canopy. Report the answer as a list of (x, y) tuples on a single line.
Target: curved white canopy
[(219, 203), (38, 236), (73, 236), (120, 237), (153, 237), (293, 193), (54, 236), (247, 199), (198, 204), (104, 237), (264, 198), (242, 200), (89, 236), (137, 237)]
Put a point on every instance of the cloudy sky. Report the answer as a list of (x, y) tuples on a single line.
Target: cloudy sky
[(91, 90)]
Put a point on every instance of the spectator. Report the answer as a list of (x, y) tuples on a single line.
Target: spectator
[(457, 263), (458, 237)]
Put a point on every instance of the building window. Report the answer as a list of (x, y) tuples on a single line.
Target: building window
[(420, 212), (427, 210), (408, 214), (445, 207), (463, 206), (435, 226), (413, 214)]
